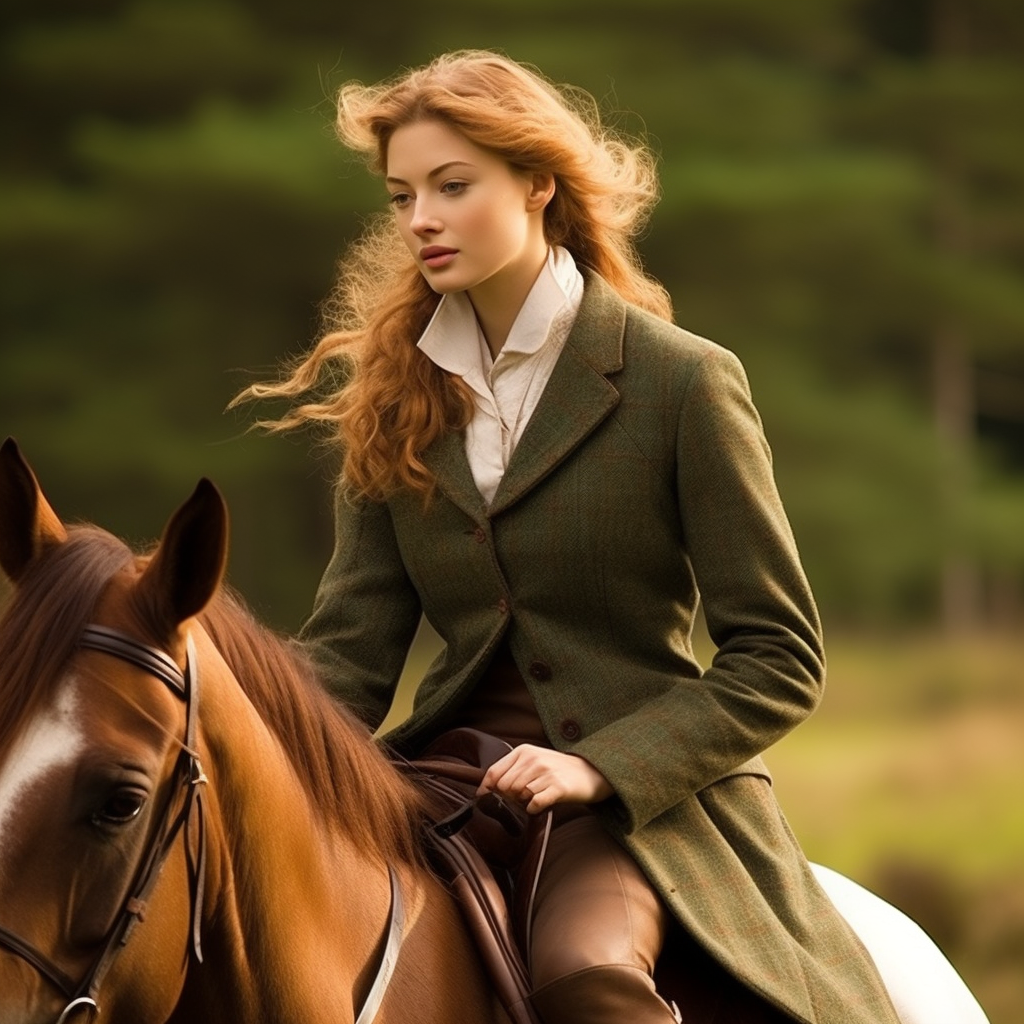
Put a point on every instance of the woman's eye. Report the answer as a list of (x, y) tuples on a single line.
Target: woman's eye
[(399, 199), (120, 808), (453, 188)]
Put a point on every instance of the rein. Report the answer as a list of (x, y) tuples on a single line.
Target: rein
[(189, 774)]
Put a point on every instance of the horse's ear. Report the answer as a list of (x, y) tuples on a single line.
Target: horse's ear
[(28, 526), (189, 563)]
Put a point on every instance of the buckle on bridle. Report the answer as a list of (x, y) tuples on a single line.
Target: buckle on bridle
[(82, 1002)]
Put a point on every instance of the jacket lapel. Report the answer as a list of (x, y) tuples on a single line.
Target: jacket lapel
[(446, 459), (577, 397)]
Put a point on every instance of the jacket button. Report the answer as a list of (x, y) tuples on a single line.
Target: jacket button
[(570, 729), (503, 606), (479, 536), (540, 670)]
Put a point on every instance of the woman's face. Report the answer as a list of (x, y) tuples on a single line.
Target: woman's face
[(471, 222)]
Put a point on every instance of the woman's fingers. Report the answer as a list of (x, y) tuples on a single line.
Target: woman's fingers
[(510, 775), (539, 778)]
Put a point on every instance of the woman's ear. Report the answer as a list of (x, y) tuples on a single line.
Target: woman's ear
[(542, 189)]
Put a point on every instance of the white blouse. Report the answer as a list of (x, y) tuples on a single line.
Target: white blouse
[(505, 390)]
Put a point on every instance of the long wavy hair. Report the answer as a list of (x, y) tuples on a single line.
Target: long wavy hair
[(385, 401)]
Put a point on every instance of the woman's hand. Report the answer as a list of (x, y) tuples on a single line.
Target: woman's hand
[(539, 778)]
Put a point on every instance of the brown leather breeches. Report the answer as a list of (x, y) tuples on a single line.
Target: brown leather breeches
[(597, 929)]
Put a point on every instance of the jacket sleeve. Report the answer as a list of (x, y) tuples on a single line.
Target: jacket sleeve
[(365, 612), (768, 671)]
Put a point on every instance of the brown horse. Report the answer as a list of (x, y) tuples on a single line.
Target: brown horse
[(174, 784)]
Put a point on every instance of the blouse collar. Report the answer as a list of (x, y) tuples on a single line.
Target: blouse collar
[(453, 339)]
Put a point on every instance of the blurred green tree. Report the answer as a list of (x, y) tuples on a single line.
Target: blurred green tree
[(942, 87), (172, 205)]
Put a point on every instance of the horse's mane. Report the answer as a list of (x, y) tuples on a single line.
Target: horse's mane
[(43, 620), (347, 776)]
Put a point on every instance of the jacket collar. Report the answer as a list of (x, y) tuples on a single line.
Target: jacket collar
[(577, 398)]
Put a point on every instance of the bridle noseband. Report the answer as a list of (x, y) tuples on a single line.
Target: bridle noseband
[(189, 774)]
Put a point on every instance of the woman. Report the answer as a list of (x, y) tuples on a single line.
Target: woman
[(539, 462)]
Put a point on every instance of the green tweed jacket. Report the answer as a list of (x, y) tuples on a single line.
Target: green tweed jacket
[(642, 476)]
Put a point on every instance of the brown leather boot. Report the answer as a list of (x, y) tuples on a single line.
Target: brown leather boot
[(603, 995)]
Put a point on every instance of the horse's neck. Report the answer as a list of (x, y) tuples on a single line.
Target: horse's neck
[(292, 907), (295, 914)]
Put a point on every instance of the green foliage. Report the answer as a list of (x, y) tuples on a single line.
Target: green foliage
[(837, 187)]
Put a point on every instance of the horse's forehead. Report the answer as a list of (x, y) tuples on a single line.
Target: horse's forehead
[(52, 738)]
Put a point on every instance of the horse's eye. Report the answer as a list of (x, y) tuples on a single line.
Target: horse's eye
[(120, 808)]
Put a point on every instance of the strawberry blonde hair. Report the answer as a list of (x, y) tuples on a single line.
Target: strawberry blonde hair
[(393, 401)]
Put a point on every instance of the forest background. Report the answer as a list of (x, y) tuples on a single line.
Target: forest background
[(843, 207)]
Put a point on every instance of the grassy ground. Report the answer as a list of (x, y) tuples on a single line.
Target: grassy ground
[(910, 779)]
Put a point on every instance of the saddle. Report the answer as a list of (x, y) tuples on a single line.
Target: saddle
[(474, 844)]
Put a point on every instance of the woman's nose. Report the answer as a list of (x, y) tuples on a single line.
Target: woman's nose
[(423, 220)]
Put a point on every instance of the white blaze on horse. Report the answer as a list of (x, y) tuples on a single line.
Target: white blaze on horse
[(191, 830)]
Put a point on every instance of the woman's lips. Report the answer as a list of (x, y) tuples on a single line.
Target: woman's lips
[(435, 256)]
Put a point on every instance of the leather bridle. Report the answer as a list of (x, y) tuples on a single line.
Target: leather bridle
[(82, 995)]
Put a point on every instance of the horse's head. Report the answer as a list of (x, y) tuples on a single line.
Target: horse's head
[(97, 782)]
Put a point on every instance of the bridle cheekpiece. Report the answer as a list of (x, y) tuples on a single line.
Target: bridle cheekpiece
[(83, 994)]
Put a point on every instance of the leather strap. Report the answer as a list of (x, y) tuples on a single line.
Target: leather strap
[(528, 925), (189, 770), (44, 966), (389, 958), (120, 645)]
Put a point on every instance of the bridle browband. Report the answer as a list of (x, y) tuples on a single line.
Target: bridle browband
[(189, 773)]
